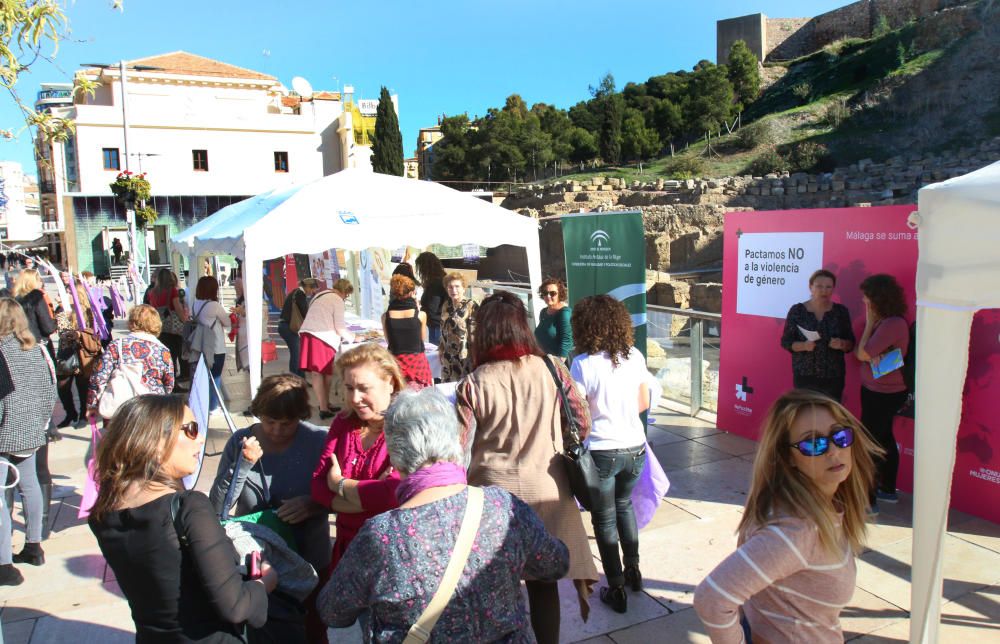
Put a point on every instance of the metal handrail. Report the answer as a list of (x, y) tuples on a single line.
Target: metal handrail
[(691, 313)]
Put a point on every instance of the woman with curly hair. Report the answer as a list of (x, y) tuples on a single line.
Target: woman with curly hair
[(405, 330), (613, 374), (554, 333), (881, 397), (803, 524)]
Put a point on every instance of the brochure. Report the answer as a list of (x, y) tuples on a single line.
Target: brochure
[(887, 363)]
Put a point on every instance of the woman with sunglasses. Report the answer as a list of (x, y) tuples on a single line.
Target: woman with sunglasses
[(171, 557), (554, 333), (802, 526)]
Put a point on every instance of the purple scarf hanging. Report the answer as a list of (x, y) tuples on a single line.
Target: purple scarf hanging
[(76, 303), (117, 301), (436, 475), (99, 327)]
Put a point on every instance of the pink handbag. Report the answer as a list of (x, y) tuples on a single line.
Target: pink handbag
[(89, 496)]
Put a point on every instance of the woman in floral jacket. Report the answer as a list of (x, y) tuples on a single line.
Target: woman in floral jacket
[(141, 345), (458, 321)]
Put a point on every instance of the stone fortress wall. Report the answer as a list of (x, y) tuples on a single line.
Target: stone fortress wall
[(775, 39), (683, 219)]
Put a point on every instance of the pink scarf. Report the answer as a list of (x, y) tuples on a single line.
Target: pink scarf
[(437, 475)]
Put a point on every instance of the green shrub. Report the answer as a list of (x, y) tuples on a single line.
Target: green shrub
[(684, 168), (767, 162), (881, 27), (757, 134), (808, 156), (802, 91), (836, 112)]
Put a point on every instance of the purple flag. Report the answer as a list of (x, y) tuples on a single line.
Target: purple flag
[(100, 328), (650, 490), (76, 303), (117, 301)]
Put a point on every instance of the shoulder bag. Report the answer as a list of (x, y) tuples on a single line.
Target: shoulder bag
[(420, 632), (124, 384), (580, 468)]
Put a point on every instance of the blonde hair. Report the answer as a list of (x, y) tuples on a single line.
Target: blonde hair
[(343, 286), (376, 356), (29, 280), (778, 486), (455, 276), (145, 318), (14, 322)]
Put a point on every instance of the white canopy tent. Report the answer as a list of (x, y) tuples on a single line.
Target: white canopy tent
[(958, 273), (350, 210)]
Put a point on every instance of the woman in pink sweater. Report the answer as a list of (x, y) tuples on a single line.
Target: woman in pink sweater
[(803, 523)]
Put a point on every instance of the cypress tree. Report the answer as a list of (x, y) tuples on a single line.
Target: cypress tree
[(387, 147)]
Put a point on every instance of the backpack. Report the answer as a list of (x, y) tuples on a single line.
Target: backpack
[(125, 383), (295, 318), (198, 339)]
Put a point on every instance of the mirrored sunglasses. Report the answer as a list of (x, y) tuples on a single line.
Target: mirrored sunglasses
[(842, 437)]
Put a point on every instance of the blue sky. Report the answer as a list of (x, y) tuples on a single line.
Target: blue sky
[(442, 57)]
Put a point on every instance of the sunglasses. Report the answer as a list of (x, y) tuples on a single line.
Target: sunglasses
[(190, 429), (842, 437), (549, 293)]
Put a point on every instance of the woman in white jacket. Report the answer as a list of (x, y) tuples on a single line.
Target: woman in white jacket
[(320, 336), (211, 315)]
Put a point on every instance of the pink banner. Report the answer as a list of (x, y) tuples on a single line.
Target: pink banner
[(975, 486), (767, 260)]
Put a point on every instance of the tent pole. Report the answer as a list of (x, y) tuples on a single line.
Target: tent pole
[(938, 413)]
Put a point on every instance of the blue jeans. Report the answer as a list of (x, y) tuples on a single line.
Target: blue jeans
[(612, 513), (291, 339), (434, 335)]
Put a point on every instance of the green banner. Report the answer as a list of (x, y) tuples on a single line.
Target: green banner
[(606, 253)]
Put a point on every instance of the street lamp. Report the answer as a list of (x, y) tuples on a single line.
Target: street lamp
[(129, 211)]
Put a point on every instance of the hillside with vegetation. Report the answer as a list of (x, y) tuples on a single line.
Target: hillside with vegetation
[(926, 86)]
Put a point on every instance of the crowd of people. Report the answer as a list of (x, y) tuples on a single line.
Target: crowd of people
[(442, 507)]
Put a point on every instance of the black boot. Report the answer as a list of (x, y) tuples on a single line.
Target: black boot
[(70, 419), (633, 578), (615, 597), (32, 554), (46, 503), (10, 576)]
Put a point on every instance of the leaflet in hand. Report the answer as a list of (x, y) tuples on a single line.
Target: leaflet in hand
[(810, 336), (887, 363)]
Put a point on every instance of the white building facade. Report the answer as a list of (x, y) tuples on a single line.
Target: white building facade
[(20, 222), (206, 133)]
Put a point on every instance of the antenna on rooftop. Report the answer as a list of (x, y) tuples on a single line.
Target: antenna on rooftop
[(302, 87)]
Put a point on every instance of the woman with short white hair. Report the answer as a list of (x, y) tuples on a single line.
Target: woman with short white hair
[(402, 552)]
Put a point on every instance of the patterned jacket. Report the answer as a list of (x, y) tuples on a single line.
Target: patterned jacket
[(157, 370), (27, 396)]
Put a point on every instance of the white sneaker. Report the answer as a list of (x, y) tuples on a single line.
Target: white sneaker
[(215, 413)]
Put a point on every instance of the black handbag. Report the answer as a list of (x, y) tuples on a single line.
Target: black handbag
[(580, 469), (67, 361)]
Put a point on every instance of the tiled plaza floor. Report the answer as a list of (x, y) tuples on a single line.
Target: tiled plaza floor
[(74, 598)]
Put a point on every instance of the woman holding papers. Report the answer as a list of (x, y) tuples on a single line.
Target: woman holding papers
[(818, 333), (881, 350)]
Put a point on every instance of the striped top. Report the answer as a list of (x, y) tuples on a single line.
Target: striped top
[(790, 587)]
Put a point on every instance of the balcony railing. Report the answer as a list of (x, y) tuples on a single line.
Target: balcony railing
[(688, 367), (51, 227)]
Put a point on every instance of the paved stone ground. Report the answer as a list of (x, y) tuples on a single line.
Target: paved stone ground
[(74, 596)]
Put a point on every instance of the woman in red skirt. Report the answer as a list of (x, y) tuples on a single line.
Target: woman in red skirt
[(405, 330), (320, 336)]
